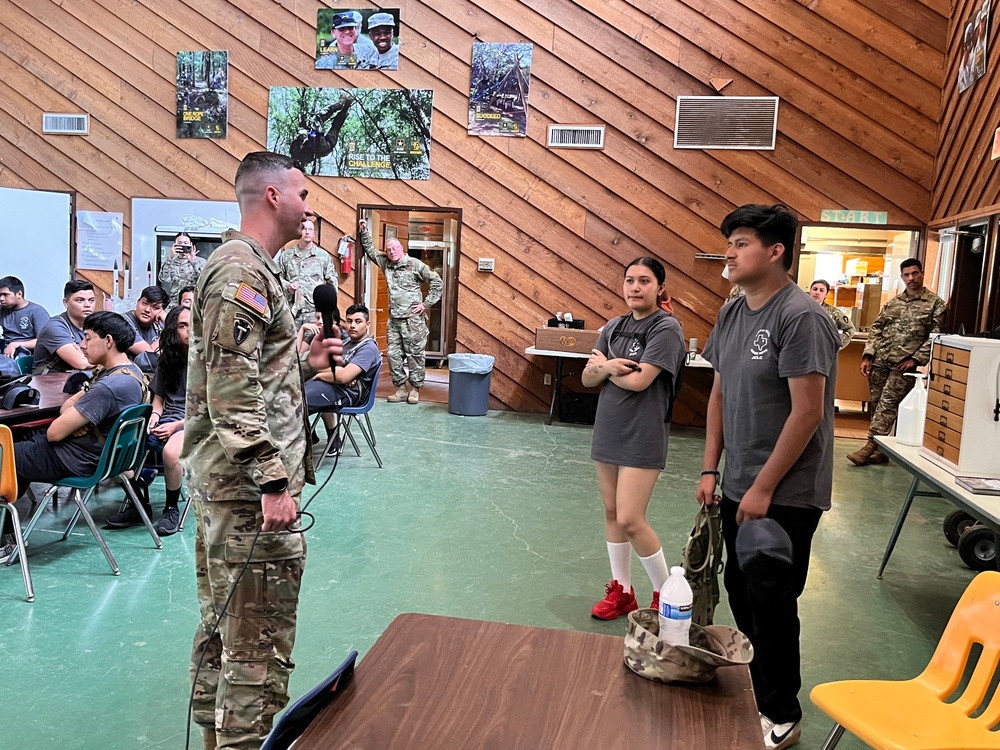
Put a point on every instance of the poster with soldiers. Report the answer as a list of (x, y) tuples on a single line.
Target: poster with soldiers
[(202, 94), (380, 133), (498, 96), (364, 39), (972, 62)]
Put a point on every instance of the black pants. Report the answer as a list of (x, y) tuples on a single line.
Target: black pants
[(36, 461), (772, 626)]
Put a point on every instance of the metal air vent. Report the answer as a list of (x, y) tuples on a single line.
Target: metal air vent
[(576, 136), (732, 122), (65, 124)]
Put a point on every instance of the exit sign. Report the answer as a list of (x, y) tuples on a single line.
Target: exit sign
[(853, 216)]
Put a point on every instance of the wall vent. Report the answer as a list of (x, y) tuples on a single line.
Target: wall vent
[(576, 136), (732, 122), (65, 124)]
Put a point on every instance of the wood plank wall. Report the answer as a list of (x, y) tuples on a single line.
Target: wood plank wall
[(966, 179), (859, 82)]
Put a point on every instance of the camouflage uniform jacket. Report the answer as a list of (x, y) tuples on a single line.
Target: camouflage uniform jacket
[(245, 420), (845, 328), (405, 280), (176, 274), (904, 327), (307, 268)]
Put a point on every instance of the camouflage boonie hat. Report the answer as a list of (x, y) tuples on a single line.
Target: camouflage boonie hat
[(712, 646)]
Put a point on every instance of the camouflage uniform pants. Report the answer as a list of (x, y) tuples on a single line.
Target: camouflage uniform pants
[(303, 317), (887, 387), (243, 681), (407, 341)]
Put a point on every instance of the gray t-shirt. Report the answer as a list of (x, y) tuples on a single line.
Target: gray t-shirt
[(755, 352), (114, 391), (23, 324), (58, 332), (148, 334), (631, 428), (173, 398)]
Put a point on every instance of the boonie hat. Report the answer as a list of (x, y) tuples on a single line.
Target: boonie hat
[(381, 19), (764, 554), (710, 647), (343, 20)]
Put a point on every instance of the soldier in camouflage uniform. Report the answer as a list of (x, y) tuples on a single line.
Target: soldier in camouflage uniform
[(181, 268), (898, 342), (845, 328), (247, 459), (304, 266), (406, 331)]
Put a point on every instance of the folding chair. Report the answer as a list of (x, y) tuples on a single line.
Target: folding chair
[(300, 714), (123, 451), (348, 414), (24, 363), (8, 495)]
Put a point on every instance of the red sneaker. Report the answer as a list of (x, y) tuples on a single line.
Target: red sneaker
[(656, 601), (616, 602)]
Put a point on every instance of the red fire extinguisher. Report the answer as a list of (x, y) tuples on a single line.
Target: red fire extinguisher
[(345, 251)]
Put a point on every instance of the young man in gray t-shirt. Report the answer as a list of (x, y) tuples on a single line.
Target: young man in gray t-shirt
[(774, 351)]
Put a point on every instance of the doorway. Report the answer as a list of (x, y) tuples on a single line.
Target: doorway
[(431, 235)]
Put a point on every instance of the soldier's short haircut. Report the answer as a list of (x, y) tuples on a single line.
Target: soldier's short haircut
[(155, 295), (72, 287), (911, 262), (107, 323), (772, 224), (13, 283), (358, 307), (256, 167)]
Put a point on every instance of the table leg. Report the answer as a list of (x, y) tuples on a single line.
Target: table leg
[(899, 525), (556, 388)]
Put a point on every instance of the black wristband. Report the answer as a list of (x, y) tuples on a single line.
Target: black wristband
[(712, 472), (278, 485)]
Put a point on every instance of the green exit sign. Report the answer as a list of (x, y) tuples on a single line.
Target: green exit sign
[(853, 216)]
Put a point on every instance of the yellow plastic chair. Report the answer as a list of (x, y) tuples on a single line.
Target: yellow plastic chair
[(913, 714), (8, 494)]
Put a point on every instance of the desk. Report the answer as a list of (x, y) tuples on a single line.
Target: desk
[(985, 508), (559, 357), (50, 398), (442, 684)]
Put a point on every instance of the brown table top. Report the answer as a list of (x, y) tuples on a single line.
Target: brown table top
[(440, 683), (50, 398)]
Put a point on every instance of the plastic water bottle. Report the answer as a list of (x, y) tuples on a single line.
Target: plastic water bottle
[(675, 608), (912, 413)]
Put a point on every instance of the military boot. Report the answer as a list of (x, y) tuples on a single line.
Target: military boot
[(414, 396), (863, 456), (399, 396), (878, 457)]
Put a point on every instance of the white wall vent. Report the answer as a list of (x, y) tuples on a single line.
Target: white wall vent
[(576, 136), (733, 122), (65, 124)]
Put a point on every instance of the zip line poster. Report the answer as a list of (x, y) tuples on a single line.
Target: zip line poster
[(498, 95)]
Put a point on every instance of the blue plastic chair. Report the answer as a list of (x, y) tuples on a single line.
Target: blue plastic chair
[(293, 722), (124, 451), (25, 363), (347, 415)]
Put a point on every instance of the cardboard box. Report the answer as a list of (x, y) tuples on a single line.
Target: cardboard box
[(576, 340)]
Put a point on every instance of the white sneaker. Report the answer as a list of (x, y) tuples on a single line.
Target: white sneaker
[(780, 736)]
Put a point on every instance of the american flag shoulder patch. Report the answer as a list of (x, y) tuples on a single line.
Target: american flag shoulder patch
[(251, 298)]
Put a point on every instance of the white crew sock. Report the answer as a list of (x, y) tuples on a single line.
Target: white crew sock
[(656, 568), (620, 554)]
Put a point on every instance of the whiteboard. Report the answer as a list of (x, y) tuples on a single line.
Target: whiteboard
[(35, 226)]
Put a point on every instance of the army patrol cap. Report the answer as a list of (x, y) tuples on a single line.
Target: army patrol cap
[(381, 19), (710, 647), (343, 20), (764, 554)]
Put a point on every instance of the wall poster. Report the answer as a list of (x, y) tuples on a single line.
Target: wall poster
[(98, 240), (380, 133), (366, 39), (202, 94), (498, 96), (972, 65)]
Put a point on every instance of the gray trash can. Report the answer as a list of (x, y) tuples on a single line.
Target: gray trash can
[(469, 384)]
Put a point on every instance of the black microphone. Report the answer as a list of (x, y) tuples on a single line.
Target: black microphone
[(325, 301)]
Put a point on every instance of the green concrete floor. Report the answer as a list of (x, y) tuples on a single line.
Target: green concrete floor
[(494, 517)]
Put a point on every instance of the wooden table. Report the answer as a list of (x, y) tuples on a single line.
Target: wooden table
[(985, 508), (559, 357), (442, 683), (50, 398)]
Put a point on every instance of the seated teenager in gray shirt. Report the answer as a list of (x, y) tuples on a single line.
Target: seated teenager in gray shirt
[(58, 346), (20, 320), (147, 318)]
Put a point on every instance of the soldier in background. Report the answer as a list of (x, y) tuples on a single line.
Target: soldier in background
[(305, 266), (406, 331), (845, 328), (181, 268), (381, 28), (247, 457), (898, 342)]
